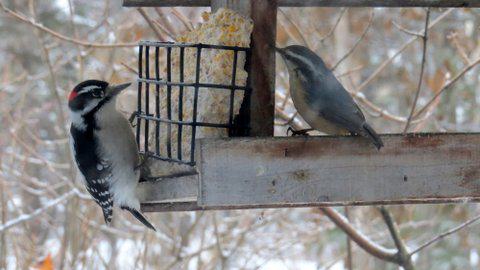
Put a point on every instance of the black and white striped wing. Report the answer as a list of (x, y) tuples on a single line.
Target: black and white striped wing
[(97, 184), (96, 171)]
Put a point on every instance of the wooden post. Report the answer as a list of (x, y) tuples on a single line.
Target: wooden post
[(262, 65), (315, 3), (262, 68)]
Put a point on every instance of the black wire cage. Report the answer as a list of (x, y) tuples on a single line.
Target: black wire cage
[(173, 121)]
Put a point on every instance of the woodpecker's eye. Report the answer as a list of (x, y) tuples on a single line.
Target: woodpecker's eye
[(97, 93)]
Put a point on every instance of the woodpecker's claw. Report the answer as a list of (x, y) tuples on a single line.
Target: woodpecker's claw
[(302, 132), (131, 119)]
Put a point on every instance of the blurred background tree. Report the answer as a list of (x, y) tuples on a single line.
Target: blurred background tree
[(47, 218)]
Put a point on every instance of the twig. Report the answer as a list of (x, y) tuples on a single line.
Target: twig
[(26, 20), (53, 81), (218, 245), (445, 234), (162, 17), (25, 217), (330, 32), (297, 29), (75, 35), (447, 86), (370, 20), (186, 22), (348, 72), (349, 257), (461, 51), (289, 120), (422, 69), (365, 243), (382, 66), (129, 68), (150, 23), (405, 30), (161, 27), (404, 258)]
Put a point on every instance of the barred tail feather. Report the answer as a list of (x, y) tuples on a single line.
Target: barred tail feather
[(107, 215), (140, 217), (369, 132)]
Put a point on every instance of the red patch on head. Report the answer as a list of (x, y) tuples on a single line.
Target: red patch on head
[(72, 95)]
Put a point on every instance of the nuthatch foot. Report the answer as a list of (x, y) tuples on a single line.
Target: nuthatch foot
[(320, 98)]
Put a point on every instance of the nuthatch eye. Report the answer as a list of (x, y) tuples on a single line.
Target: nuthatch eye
[(320, 98)]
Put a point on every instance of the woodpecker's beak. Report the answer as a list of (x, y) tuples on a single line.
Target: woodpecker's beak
[(113, 90)]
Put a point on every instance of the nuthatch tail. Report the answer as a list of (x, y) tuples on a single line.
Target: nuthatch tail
[(320, 98)]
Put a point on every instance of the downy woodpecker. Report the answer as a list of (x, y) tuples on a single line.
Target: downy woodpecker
[(104, 148), (320, 98)]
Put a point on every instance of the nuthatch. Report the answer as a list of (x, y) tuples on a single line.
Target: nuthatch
[(320, 98)]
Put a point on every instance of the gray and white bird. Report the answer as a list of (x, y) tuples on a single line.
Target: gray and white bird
[(104, 148), (320, 98)]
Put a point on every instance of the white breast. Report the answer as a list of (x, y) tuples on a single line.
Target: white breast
[(117, 144), (312, 117)]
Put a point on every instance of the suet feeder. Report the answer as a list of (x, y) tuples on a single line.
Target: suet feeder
[(258, 170), (182, 97)]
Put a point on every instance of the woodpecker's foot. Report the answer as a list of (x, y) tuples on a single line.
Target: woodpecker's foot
[(302, 132), (148, 179), (143, 161), (131, 119)]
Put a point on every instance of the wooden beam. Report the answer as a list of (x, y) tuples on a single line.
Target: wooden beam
[(177, 189), (322, 171), (316, 3), (193, 206), (378, 3), (241, 6), (262, 67), (166, 3)]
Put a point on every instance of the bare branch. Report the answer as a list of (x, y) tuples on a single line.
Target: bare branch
[(161, 27), (185, 21), (447, 86), (348, 72), (26, 217), (129, 68), (404, 258), (349, 257), (422, 69), (332, 30), (445, 234), (297, 29), (461, 51), (398, 52), (363, 241), (150, 23), (362, 36), (163, 20), (26, 20), (406, 31)]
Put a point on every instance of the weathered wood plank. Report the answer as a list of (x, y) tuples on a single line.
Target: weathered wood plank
[(317, 3), (266, 172), (193, 206), (378, 3), (166, 3), (176, 189)]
